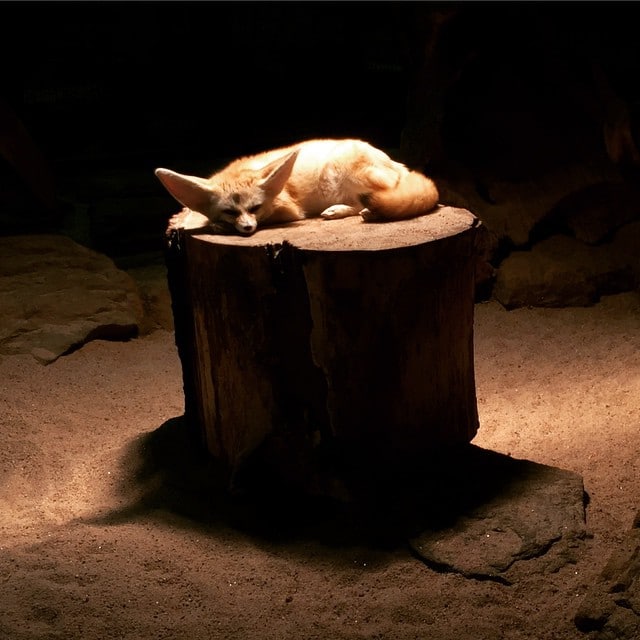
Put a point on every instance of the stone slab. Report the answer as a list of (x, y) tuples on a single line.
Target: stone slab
[(56, 295), (522, 510)]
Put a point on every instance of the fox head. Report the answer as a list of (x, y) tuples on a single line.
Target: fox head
[(241, 199)]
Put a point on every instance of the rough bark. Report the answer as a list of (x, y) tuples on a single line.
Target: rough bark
[(322, 335)]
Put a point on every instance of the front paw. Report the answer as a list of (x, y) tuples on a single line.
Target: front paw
[(338, 211), (177, 221), (188, 219)]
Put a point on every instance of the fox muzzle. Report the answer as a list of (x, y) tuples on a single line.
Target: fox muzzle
[(246, 223)]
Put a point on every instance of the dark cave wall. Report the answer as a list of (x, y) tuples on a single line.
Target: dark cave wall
[(515, 108), (109, 91), (215, 78)]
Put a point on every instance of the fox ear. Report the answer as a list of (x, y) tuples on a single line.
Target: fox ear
[(276, 173), (190, 191)]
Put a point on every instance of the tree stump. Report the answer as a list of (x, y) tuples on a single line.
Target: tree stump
[(328, 335)]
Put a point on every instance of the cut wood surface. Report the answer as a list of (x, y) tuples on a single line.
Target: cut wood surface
[(328, 334), (353, 234)]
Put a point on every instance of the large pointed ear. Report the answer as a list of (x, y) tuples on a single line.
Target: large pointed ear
[(276, 173), (190, 191)]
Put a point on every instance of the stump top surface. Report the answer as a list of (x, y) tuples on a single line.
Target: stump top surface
[(353, 234)]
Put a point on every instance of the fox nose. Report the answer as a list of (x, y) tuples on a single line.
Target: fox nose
[(248, 228), (246, 224)]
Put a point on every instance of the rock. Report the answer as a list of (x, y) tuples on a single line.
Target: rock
[(596, 211), (515, 212), (531, 511), (611, 608), (56, 295), (625, 243), (156, 299), (562, 271)]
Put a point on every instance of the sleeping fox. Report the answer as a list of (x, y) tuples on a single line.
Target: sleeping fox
[(326, 178)]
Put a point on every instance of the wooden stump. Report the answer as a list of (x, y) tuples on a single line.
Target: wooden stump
[(333, 334)]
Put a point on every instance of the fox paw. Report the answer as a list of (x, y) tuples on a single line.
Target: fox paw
[(338, 211), (177, 221), (368, 215)]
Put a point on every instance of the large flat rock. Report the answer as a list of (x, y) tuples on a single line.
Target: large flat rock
[(521, 510), (563, 271), (56, 295)]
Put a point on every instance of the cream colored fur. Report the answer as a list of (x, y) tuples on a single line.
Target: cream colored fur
[(327, 178)]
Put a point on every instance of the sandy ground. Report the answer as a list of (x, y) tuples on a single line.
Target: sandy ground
[(108, 529)]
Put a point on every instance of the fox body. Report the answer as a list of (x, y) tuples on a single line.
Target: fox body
[(327, 178)]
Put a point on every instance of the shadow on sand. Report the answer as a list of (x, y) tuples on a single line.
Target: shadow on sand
[(167, 473)]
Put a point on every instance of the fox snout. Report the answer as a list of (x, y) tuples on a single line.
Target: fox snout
[(242, 221), (246, 224)]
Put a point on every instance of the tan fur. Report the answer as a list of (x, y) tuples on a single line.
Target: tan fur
[(327, 178)]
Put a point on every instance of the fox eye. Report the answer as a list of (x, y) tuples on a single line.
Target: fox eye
[(230, 212), (254, 208)]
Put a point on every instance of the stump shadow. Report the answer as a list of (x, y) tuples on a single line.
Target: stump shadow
[(351, 499)]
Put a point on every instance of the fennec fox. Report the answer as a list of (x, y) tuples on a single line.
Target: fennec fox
[(327, 178)]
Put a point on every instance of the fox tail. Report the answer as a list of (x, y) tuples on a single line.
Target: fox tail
[(413, 195)]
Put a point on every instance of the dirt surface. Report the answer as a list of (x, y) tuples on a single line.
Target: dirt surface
[(112, 528)]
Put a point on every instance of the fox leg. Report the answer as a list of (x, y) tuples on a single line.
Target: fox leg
[(188, 219), (339, 211)]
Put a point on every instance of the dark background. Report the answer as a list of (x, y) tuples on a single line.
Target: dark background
[(132, 79), (107, 91)]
